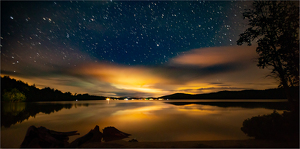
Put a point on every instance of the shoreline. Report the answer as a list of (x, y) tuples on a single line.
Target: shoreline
[(194, 144)]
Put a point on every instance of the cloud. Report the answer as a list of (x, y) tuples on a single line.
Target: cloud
[(181, 74), (215, 56), (197, 71)]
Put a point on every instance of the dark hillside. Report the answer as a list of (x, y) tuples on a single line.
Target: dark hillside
[(245, 94)]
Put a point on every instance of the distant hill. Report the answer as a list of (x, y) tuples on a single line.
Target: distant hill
[(245, 94)]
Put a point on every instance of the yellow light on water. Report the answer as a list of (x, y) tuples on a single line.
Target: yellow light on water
[(107, 99)]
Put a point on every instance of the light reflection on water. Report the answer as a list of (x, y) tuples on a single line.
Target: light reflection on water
[(145, 120)]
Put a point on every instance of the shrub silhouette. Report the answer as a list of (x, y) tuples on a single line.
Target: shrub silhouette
[(273, 126)]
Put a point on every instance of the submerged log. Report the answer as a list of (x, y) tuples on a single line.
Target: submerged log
[(93, 136), (44, 138), (112, 133)]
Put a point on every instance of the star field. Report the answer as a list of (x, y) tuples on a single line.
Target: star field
[(130, 33)]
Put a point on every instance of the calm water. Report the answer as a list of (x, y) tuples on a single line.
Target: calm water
[(180, 120)]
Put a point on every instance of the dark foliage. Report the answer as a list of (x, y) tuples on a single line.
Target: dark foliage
[(46, 94), (13, 95), (273, 126), (274, 25)]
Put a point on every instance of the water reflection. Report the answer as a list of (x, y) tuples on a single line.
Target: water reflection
[(279, 105), (12, 113), (145, 120)]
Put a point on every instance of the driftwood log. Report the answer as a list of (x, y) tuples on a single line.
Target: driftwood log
[(109, 134), (93, 136), (112, 133), (44, 138)]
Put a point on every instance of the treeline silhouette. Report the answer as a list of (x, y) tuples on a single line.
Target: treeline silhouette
[(33, 93), (245, 94)]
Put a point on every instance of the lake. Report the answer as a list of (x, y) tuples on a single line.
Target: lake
[(146, 121)]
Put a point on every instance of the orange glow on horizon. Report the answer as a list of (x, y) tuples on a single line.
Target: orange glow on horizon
[(123, 77)]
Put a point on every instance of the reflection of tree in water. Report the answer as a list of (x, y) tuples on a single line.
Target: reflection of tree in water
[(12, 113)]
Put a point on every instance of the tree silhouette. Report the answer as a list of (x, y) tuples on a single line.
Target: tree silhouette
[(274, 25)]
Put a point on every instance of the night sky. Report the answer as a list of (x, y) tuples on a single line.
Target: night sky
[(122, 48)]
